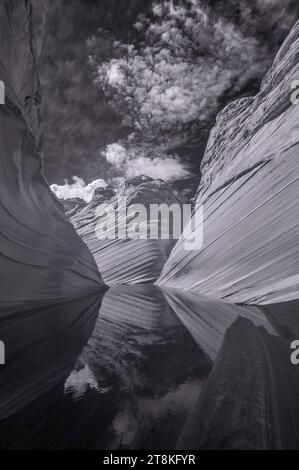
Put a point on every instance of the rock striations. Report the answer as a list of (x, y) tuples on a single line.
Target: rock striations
[(250, 197), (124, 260), (41, 256)]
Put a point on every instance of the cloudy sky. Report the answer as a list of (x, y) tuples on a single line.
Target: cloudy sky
[(133, 86)]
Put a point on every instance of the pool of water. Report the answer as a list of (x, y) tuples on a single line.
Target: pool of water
[(143, 368)]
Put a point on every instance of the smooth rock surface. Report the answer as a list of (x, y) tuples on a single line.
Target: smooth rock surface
[(250, 197), (41, 256)]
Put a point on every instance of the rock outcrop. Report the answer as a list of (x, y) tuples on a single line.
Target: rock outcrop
[(41, 256), (121, 259), (250, 197)]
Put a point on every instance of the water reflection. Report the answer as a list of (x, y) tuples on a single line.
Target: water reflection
[(145, 368), (42, 343), (208, 319), (146, 363)]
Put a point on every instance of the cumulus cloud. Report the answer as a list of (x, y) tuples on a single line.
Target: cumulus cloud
[(114, 74), (78, 189), (115, 154), (142, 160), (165, 79), (167, 169), (188, 61)]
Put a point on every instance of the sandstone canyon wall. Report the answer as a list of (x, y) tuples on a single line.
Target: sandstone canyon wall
[(41, 256), (249, 192), (123, 260)]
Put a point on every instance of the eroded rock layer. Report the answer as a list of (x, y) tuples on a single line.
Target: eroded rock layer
[(249, 192), (41, 256)]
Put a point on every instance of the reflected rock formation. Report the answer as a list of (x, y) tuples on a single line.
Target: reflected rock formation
[(250, 197), (122, 260), (208, 319), (151, 369), (41, 256), (250, 400), (142, 359), (132, 386), (41, 346)]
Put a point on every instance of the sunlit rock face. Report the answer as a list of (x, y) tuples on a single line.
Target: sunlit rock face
[(249, 192), (41, 256), (122, 259)]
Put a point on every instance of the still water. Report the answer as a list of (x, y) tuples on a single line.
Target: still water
[(141, 368)]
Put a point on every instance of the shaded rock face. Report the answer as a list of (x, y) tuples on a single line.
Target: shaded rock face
[(72, 206), (103, 194), (125, 260), (249, 192), (41, 256)]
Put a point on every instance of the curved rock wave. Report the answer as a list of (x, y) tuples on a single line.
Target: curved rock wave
[(123, 260), (41, 256), (250, 197)]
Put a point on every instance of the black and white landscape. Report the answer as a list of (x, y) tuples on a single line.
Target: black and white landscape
[(127, 344)]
